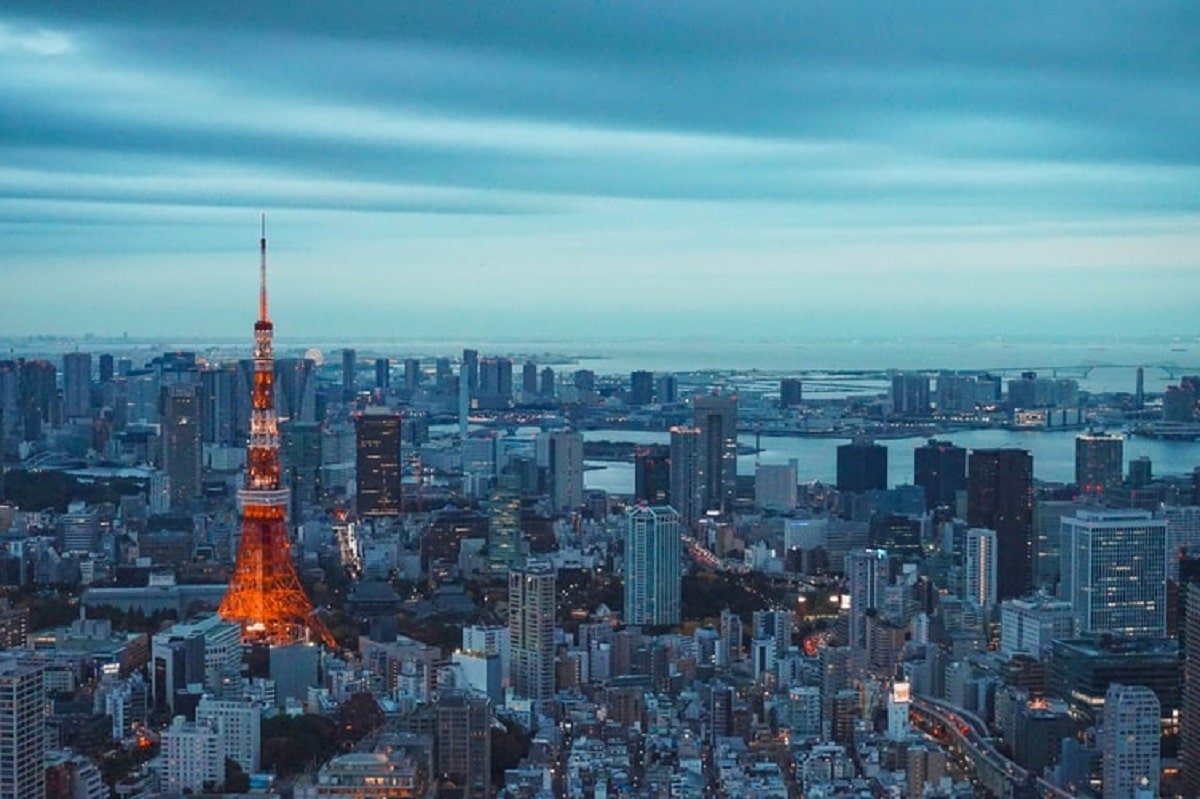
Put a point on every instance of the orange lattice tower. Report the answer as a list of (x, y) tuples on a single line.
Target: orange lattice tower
[(265, 595)]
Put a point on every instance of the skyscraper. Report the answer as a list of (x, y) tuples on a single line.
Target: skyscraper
[(531, 619), (910, 394), (377, 472), (181, 449), (237, 722), (470, 366), (666, 389), (940, 468), (504, 523), (106, 368), (296, 389), (529, 379), (1000, 498), (1130, 743), (652, 474), (1189, 720), (867, 578), (861, 466), (716, 419), (653, 566), (791, 392), (560, 454), (349, 373), (1099, 462), (464, 744), (383, 374), (1139, 390), (546, 383), (412, 374), (219, 406), (22, 729), (641, 387), (1114, 571), (687, 477), (979, 567), (77, 385)]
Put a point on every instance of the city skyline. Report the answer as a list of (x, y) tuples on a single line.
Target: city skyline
[(776, 172)]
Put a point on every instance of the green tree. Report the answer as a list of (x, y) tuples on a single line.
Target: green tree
[(236, 780)]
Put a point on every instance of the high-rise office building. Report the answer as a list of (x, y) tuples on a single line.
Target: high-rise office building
[(296, 390), (1179, 403), (775, 486), (1099, 462), (1130, 742), (1139, 389), (22, 729), (383, 374), (377, 472), (774, 625), (1141, 472), (237, 722), (560, 455), (531, 619), (504, 523), (666, 389), (300, 458), (181, 447), (77, 385), (979, 567), (1189, 719), (219, 406), (641, 387), (529, 379), (1000, 498), (791, 392), (861, 466), (546, 383), (687, 478), (37, 391), (192, 756), (1030, 625), (910, 394), (585, 380), (495, 382), (653, 570), (349, 373), (731, 635), (107, 370), (412, 374), (716, 419), (940, 468), (463, 743), (868, 574), (652, 474), (470, 366), (1114, 571)]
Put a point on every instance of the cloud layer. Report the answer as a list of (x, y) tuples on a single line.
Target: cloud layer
[(534, 165)]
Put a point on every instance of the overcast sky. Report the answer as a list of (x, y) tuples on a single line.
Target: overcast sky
[(604, 167)]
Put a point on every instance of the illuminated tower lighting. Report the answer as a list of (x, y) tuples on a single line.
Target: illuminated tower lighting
[(265, 596)]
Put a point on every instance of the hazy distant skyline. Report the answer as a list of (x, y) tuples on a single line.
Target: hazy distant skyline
[(592, 168)]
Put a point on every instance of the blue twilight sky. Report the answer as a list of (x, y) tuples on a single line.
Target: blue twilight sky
[(599, 168)]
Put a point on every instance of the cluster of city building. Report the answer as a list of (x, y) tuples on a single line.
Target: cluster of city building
[(502, 630)]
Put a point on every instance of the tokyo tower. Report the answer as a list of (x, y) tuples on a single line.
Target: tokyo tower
[(265, 596)]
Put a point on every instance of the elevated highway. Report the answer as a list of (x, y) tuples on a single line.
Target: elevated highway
[(966, 732)]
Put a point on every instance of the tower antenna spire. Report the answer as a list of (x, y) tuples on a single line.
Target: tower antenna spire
[(262, 271)]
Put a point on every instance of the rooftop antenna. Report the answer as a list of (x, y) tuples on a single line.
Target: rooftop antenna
[(262, 272)]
